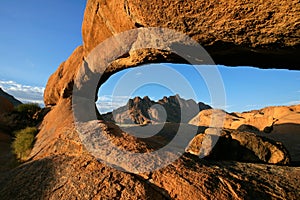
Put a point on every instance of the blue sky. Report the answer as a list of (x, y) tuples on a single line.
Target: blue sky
[(245, 88), (37, 35)]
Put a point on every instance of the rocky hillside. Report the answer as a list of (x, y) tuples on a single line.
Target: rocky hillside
[(7, 102), (143, 111), (280, 123), (259, 33), (10, 98), (7, 106)]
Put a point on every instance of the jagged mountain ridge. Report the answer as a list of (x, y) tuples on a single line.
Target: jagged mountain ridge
[(144, 110)]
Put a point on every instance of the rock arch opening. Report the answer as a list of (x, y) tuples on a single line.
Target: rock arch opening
[(247, 88), (154, 93)]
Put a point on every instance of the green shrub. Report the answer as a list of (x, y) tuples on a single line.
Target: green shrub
[(23, 143), (28, 109), (24, 115)]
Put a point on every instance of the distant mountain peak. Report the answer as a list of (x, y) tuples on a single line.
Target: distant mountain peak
[(144, 110)]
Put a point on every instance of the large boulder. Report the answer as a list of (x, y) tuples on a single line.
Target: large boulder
[(279, 123), (238, 146)]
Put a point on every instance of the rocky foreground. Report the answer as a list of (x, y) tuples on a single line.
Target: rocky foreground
[(83, 177), (60, 167), (260, 33), (278, 123)]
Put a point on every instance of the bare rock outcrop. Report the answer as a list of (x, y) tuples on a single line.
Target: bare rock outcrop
[(269, 116), (60, 84), (238, 146), (283, 123), (143, 110), (255, 33), (261, 33), (83, 177)]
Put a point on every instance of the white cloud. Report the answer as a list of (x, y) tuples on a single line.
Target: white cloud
[(107, 103), (293, 102), (261, 106), (217, 106), (24, 93), (34, 94), (253, 106), (24, 100)]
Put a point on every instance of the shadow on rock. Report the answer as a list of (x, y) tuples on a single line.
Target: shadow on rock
[(28, 181)]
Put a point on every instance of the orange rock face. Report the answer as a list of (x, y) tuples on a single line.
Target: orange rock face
[(280, 123), (238, 146), (257, 33), (60, 84), (234, 32), (253, 33)]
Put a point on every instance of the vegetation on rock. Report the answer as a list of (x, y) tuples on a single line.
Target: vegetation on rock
[(24, 141), (22, 116), (28, 109)]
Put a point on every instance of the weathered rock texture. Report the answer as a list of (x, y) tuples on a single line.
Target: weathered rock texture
[(60, 84), (259, 33), (82, 177), (67, 171), (260, 119), (253, 33), (280, 123), (238, 146)]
